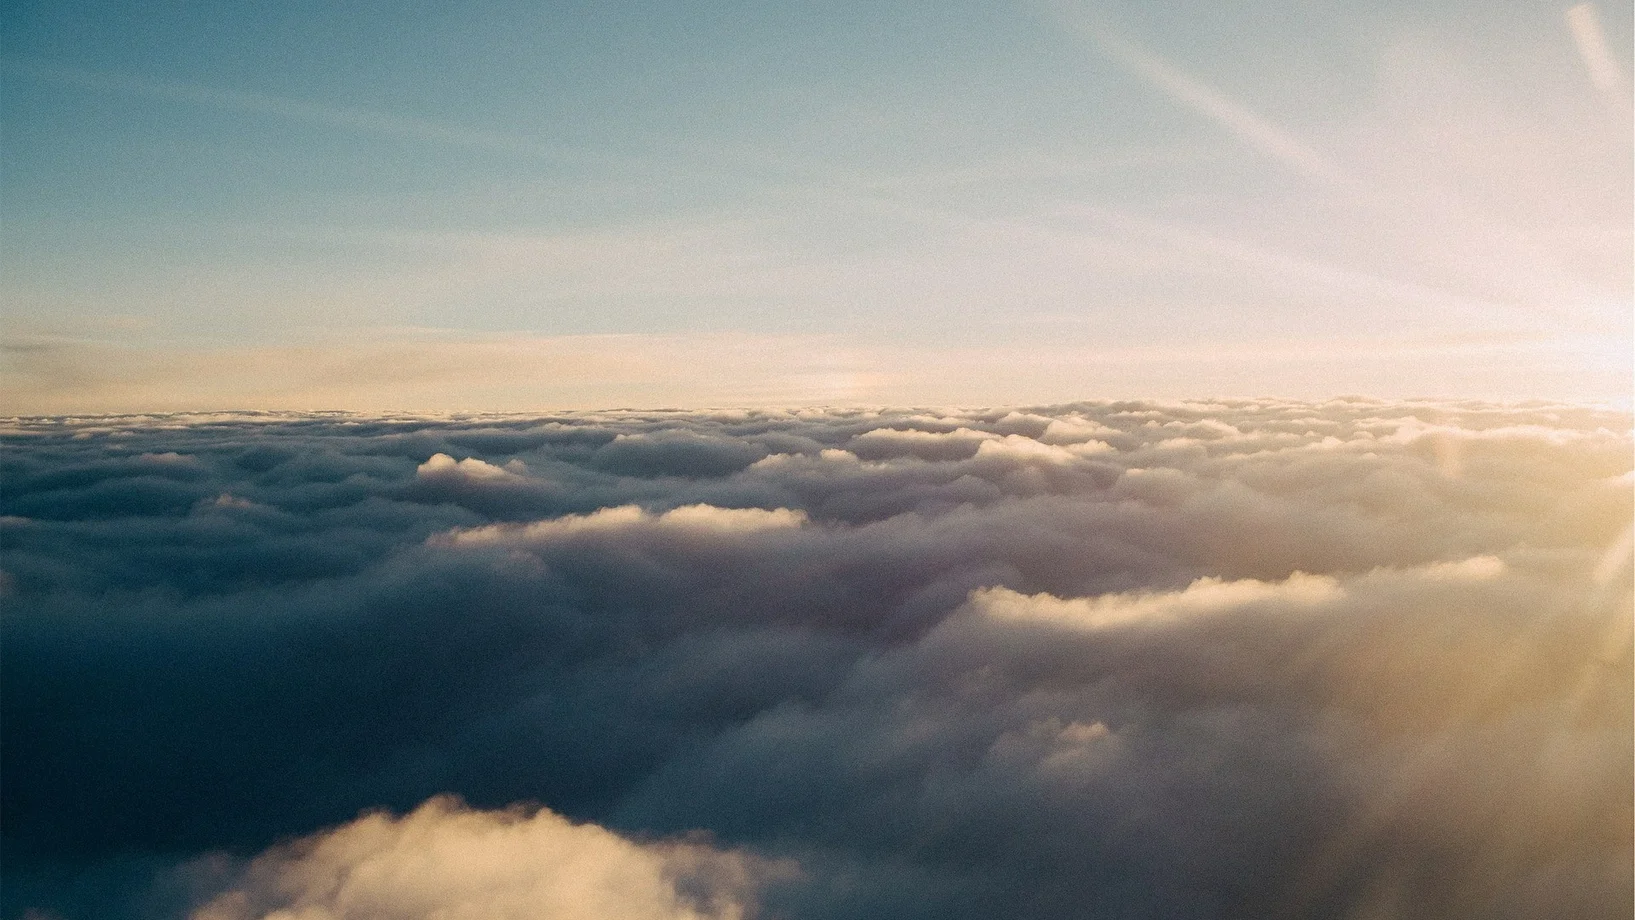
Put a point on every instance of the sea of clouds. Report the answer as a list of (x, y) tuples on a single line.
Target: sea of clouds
[(1350, 659)]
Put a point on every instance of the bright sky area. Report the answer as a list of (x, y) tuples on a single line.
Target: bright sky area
[(516, 206)]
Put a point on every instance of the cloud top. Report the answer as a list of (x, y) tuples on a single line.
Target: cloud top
[(697, 518), (449, 862), (1201, 598)]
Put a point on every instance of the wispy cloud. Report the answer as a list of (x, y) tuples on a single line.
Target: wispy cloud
[(1321, 277), (1409, 184), (1605, 73), (351, 118), (1251, 128)]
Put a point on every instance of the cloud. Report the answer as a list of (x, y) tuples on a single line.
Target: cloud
[(1127, 658), (447, 861), (675, 453), (1017, 447), (689, 518), (1604, 72), (423, 130), (443, 466), (1250, 128), (1202, 597), (881, 443)]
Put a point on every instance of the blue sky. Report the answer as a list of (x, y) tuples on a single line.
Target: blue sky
[(527, 205)]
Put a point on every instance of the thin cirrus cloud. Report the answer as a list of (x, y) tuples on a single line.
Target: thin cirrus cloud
[(1591, 40), (257, 103), (1505, 272), (1250, 128)]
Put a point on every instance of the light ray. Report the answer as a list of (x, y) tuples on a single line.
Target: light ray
[(1604, 72)]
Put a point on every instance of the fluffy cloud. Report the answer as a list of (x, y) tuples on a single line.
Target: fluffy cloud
[(1114, 659), (441, 466), (446, 861), (688, 518), (1202, 597)]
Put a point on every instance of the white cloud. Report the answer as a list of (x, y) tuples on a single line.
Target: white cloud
[(1592, 46), (1021, 449), (694, 518), (443, 466), (1203, 597), (1074, 430), (911, 437), (709, 517), (444, 861), (1476, 568)]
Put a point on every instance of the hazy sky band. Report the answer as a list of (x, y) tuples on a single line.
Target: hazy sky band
[(432, 371)]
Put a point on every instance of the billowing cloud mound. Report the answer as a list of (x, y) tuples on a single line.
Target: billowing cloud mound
[(1203, 660), (452, 863)]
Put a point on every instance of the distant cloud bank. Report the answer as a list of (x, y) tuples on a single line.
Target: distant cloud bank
[(448, 371), (1242, 658)]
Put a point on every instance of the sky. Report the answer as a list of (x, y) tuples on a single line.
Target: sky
[(531, 206)]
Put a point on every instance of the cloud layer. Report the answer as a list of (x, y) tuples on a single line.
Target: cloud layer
[(1129, 659)]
